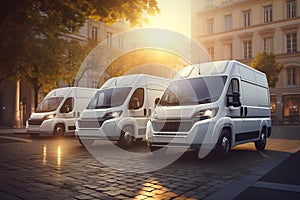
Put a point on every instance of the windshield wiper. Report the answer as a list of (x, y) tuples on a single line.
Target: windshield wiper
[(103, 106), (204, 100), (207, 100)]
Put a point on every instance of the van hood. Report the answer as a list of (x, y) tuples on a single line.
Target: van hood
[(40, 115), (180, 112)]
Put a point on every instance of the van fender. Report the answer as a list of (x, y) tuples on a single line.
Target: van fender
[(224, 122), (263, 123), (128, 121), (59, 121)]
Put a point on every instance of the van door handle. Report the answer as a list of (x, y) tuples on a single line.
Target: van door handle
[(145, 112), (246, 111), (242, 111)]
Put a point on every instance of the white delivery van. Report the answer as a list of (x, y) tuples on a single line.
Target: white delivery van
[(121, 108), (214, 105), (58, 111)]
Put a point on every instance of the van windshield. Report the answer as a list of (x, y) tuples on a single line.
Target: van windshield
[(193, 91), (109, 98), (49, 104)]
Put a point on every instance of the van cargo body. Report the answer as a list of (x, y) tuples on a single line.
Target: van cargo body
[(58, 111), (214, 105), (121, 108)]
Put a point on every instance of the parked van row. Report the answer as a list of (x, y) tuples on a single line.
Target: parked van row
[(214, 105)]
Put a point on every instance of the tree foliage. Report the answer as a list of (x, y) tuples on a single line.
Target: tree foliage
[(267, 63), (32, 35), (138, 58)]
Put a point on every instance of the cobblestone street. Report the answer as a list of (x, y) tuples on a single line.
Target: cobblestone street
[(60, 168)]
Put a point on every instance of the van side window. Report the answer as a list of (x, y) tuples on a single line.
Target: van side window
[(234, 86), (137, 99), (67, 106)]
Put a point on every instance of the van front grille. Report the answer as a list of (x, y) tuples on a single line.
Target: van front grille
[(90, 123), (172, 126), (35, 121)]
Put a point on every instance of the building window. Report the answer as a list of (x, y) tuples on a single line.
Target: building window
[(94, 84), (121, 41), (210, 51), (291, 42), (291, 9), (228, 51), (122, 20), (273, 106), (209, 3), (247, 16), (268, 44), (291, 111), (109, 38), (291, 75), (248, 49), (268, 14), (210, 26), (228, 22), (95, 33)]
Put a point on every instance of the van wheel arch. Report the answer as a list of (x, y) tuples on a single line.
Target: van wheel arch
[(59, 129), (127, 136)]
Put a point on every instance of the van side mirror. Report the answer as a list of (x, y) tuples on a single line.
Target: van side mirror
[(156, 101), (234, 99), (134, 103)]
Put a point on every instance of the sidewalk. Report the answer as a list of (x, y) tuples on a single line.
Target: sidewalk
[(278, 180), (12, 131)]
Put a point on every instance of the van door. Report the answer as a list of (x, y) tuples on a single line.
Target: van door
[(67, 113), (234, 112), (251, 118), (137, 110)]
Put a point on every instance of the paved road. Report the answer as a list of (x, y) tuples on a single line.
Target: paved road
[(60, 168)]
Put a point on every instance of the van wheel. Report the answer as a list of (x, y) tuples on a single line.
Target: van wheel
[(59, 130), (126, 138), (223, 145), (260, 145)]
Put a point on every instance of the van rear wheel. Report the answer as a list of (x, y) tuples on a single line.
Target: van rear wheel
[(59, 130), (260, 145), (126, 138)]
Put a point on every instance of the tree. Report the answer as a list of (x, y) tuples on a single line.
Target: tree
[(267, 63)]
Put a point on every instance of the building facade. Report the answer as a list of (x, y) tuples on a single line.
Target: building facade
[(17, 97), (239, 29)]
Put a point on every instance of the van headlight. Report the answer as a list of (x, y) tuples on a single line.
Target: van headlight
[(112, 115), (154, 114), (46, 117), (205, 114)]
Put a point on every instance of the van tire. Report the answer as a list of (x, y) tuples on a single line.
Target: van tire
[(224, 144), (260, 145), (126, 137), (59, 130)]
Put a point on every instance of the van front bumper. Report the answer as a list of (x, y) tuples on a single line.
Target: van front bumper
[(46, 128), (92, 129), (190, 134)]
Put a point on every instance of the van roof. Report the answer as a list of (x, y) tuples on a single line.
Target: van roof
[(133, 79), (61, 92), (224, 67)]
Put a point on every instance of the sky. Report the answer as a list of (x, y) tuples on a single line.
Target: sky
[(174, 15)]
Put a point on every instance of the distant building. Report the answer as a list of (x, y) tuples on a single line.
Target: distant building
[(239, 29)]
